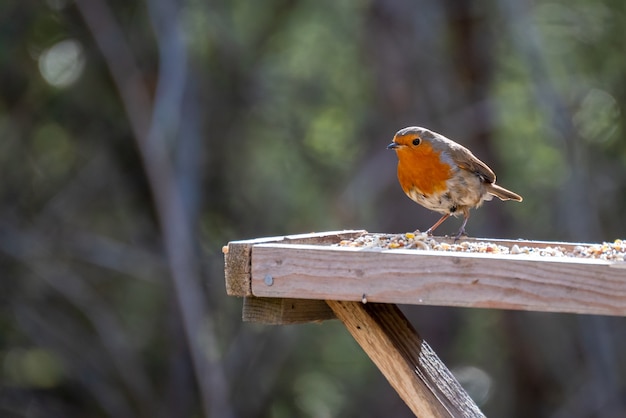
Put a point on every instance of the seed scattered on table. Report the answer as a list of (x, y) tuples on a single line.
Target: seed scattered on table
[(610, 251)]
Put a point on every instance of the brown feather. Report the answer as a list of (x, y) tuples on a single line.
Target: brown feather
[(463, 157), (503, 193), (467, 161)]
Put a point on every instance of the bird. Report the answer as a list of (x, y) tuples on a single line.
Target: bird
[(443, 176)]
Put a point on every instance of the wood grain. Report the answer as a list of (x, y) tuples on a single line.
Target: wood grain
[(409, 364), (280, 311), (522, 282), (237, 262)]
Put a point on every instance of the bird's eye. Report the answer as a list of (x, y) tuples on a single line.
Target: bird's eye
[(416, 141)]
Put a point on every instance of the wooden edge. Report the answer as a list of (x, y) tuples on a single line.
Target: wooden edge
[(282, 311), (412, 368), (374, 251), (479, 280), (237, 256)]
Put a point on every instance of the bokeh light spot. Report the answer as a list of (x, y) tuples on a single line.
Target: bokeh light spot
[(63, 63), (475, 381), (598, 116)]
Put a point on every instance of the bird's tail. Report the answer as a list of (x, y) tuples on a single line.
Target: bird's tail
[(503, 193)]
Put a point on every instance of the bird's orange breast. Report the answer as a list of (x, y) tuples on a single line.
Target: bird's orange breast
[(421, 168)]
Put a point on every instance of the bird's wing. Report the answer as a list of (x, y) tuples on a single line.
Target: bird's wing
[(463, 157), (467, 161)]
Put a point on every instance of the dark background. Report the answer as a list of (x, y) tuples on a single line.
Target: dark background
[(138, 138)]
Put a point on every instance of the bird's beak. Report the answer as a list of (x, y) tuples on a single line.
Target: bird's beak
[(393, 145)]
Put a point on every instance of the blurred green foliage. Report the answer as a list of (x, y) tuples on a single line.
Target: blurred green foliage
[(285, 112)]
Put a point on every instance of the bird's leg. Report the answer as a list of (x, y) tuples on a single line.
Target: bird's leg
[(439, 222), (462, 229)]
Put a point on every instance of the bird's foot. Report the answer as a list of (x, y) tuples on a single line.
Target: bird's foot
[(460, 234)]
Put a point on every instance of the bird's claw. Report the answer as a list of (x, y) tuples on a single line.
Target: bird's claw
[(460, 234)]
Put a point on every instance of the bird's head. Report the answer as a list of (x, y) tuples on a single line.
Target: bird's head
[(408, 138)]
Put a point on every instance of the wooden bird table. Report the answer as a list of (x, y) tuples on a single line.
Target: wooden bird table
[(305, 278)]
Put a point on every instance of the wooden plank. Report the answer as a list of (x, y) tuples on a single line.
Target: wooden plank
[(522, 282), (237, 255), (280, 311), (409, 364)]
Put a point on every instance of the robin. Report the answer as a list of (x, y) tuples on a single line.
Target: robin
[(443, 176)]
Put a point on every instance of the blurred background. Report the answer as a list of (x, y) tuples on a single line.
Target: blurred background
[(138, 138)]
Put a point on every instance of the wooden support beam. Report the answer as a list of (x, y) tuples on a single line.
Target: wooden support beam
[(280, 311), (409, 364)]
